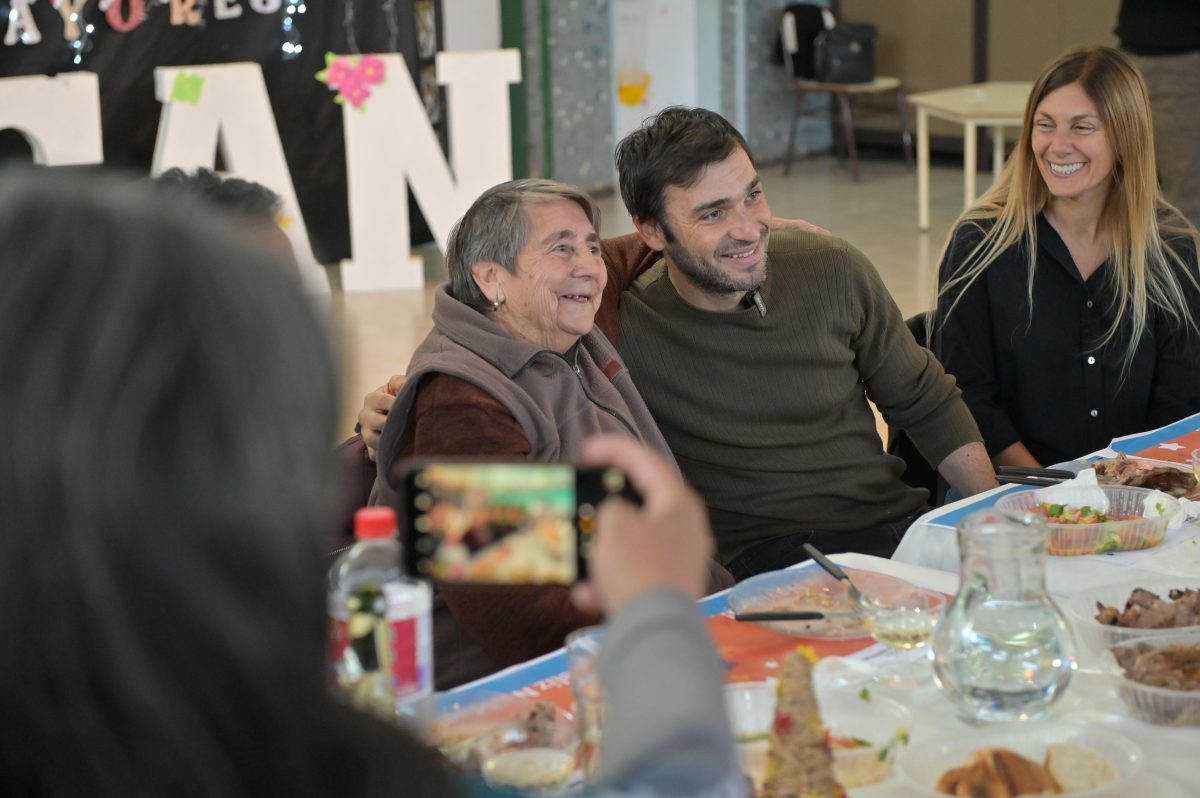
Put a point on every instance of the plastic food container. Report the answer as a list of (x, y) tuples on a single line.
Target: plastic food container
[(751, 707), (810, 588), (924, 762), (1082, 610), (1068, 540), (1158, 705), (879, 727)]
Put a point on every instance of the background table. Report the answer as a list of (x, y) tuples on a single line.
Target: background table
[(996, 104)]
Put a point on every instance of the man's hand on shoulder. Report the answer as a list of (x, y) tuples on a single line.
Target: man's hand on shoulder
[(373, 415), (778, 223)]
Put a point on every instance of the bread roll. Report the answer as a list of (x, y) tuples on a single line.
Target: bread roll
[(998, 773), (1076, 768)]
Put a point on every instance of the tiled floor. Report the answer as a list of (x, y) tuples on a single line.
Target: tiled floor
[(378, 332)]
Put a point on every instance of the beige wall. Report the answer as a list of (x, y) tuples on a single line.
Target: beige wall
[(928, 43), (1025, 35)]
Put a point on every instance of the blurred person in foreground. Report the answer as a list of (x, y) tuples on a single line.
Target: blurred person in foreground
[(1069, 292), (161, 571), (516, 366)]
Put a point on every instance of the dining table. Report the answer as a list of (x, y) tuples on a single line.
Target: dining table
[(928, 557)]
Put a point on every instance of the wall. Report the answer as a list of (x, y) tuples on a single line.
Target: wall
[(930, 43), (577, 57), (769, 96), (1043, 30), (753, 92), (471, 24)]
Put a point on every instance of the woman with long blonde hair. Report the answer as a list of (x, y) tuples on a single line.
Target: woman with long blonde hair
[(1069, 292)]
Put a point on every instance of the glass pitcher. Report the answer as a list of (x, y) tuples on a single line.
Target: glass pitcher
[(1003, 649)]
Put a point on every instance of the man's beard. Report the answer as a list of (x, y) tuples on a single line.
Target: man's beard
[(708, 276)]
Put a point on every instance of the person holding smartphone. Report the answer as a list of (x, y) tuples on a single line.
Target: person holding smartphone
[(162, 576)]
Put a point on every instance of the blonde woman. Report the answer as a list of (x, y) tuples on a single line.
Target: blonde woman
[(1069, 292)]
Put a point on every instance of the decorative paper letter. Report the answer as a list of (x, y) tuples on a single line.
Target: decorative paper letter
[(234, 111), (266, 6), (60, 116), (130, 20), (393, 142), (226, 9), (183, 12), (69, 9), (21, 26)]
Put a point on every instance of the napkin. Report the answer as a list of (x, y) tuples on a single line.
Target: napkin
[(1082, 491)]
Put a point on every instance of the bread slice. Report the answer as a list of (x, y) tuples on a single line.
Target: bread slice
[(1020, 775), (1076, 768)]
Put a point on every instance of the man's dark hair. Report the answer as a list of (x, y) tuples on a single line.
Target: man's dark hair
[(671, 148), (249, 202)]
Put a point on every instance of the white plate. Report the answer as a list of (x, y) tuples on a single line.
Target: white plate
[(924, 762), (810, 588)]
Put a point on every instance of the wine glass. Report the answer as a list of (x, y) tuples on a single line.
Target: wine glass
[(903, 618)]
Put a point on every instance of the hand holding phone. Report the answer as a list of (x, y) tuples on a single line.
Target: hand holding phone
[(666, 542)]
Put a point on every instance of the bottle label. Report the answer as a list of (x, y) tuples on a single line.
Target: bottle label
[(408, 616), (339, 630)]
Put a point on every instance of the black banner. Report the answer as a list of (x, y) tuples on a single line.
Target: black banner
[(288, 39)]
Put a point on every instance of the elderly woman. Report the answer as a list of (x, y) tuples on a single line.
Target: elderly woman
[(515, 367), (1069, 291)]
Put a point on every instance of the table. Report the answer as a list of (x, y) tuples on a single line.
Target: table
[(932, 540), (928, 556), (996, 104), (1169, 770)]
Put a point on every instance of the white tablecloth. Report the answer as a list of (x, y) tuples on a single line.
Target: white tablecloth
[(935, 546), (1171, 766)]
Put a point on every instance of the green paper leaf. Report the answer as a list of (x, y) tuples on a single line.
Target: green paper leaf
[(187, 88)]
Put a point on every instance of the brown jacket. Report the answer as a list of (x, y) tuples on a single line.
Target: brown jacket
[(472, 389)]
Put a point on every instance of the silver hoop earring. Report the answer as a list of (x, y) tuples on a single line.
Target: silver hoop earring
[(496, 303)]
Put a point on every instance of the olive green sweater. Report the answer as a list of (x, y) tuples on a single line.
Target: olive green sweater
[(767, 415)]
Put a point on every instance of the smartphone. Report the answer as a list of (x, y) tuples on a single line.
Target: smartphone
[(503, 522)]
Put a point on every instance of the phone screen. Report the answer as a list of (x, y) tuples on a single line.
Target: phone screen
[(508, 523)]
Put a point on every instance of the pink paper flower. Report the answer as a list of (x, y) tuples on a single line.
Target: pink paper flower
[(338, 72), (356, 95), (372, 69)]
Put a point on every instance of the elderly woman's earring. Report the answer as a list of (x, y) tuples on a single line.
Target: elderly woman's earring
[(498, 301)]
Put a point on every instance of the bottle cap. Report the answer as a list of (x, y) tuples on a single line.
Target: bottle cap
[(374, 522)]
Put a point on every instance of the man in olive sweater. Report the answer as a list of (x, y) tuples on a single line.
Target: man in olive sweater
[(759, 378)]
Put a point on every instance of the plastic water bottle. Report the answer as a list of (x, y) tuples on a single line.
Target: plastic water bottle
[(381, 626)]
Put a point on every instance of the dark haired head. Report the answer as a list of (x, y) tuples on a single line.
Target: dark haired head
[(671, 148), (253, 207), (252, 203), (167, 414)]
